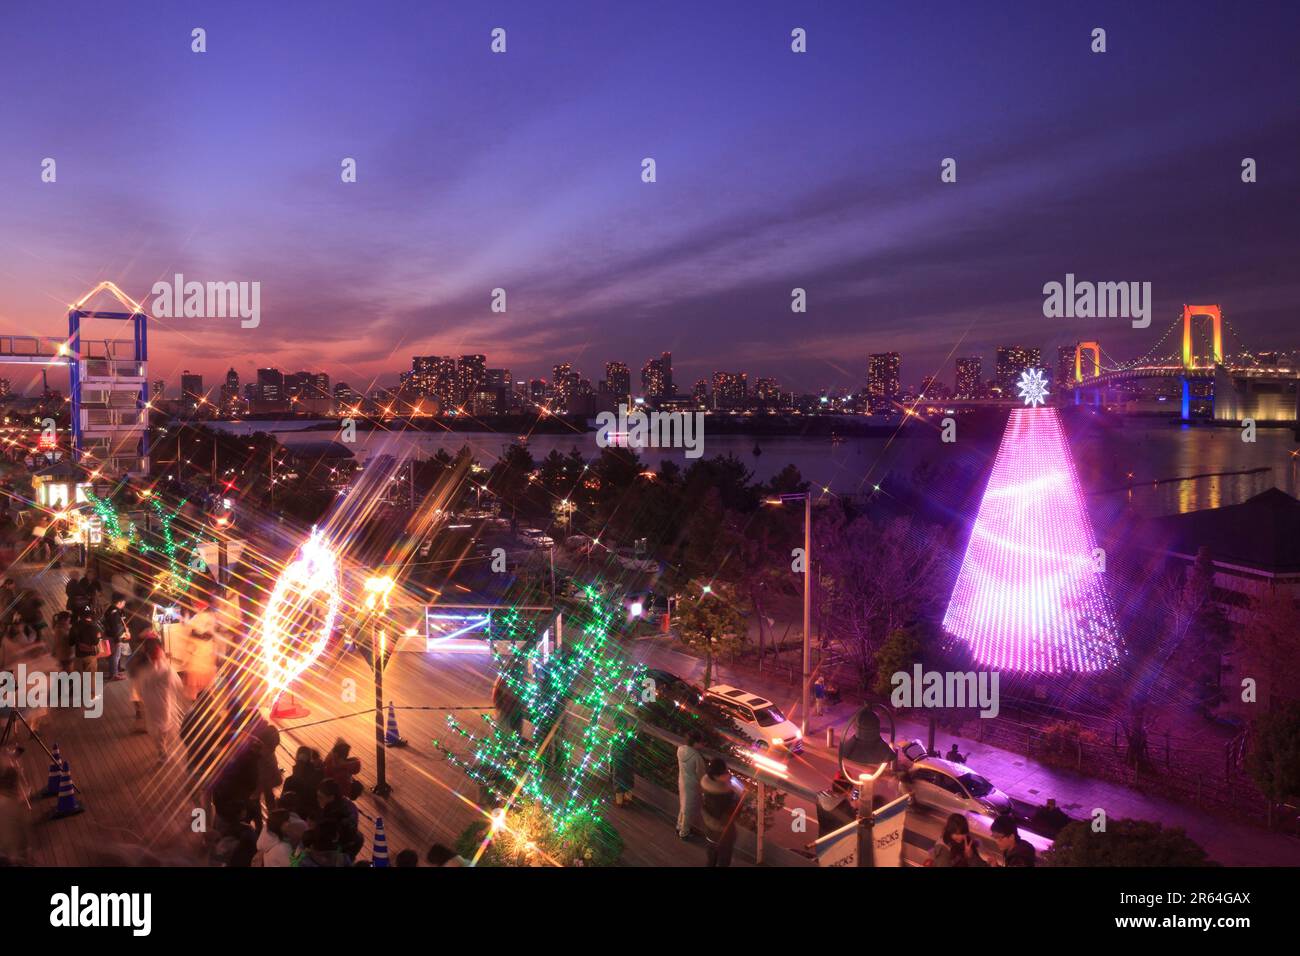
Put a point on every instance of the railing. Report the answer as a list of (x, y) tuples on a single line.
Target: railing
[(32, 346), (1181, 769)]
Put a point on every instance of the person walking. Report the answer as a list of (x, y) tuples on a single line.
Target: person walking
[(201, 636), (77, 599), (61, 641), (819, 696), (160, 693), (85, 642), (690, 769), (723, 794), (115, 632)]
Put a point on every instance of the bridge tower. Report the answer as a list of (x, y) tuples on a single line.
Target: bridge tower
[(1093, 349), (1215, 315), (110, 387)]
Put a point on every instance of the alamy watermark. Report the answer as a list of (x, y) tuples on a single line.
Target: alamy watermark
[(133, 911), (1098, 300), (638, 429), (946, 689), (35, 689), (210, 300)]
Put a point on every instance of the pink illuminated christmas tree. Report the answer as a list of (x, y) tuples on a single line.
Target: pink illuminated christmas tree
[(1029, 595)]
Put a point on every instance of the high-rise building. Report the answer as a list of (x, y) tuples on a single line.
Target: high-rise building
[(345, 399), (767, 391), (883, 381), (1065, 367), (932, 389), (157, 390), (618, 380), (270, 385), (230, 401), (191, 392), (497, 384), (657, 377), (970, 383), (564, 384), (471, 373), (537, 390), (1012, 360), (730, 389), (299, 385), (422, 373), (700, 392), (320, 385)]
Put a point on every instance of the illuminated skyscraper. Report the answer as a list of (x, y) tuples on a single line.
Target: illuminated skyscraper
[(883, 381), (471, 374), (730, 389), (657, 377), (1012, 360), (969, 382), (618, 379)]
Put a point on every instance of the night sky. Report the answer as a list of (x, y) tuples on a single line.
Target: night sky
[(522, 170)]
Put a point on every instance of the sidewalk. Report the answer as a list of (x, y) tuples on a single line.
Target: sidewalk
[(1020, 777)]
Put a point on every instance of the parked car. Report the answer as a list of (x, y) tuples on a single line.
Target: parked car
[(757, 717), (537, 538), (947, 786)]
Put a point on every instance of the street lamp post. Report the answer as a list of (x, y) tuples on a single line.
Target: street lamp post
[(807, 609), (806, 496), (377, 589)]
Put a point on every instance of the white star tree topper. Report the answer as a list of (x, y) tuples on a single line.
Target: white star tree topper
[(1033, 388)]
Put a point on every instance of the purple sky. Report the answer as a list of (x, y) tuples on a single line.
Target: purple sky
[(522, 170)]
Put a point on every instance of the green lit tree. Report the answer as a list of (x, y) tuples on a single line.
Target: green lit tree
[(544, 757)]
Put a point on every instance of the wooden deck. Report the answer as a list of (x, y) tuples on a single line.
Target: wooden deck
[(137, 812)]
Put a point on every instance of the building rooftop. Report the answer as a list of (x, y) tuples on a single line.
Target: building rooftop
[(1261, 533)]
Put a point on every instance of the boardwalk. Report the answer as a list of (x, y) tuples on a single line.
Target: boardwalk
[(137, 812)]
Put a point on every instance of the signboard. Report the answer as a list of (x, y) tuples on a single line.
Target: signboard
[(887, 832), (839, 848)]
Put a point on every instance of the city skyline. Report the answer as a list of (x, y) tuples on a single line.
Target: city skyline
[(597, 263)]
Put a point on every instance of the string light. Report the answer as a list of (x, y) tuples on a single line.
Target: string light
[(1028, 596), (554, 772)]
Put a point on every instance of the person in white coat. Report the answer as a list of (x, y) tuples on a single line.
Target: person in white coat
[(201, 633), (690, 769), (161, 694)]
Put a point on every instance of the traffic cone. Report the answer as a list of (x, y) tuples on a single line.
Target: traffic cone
[(56, 774), (68, 804), (379, 856), (391, 737)]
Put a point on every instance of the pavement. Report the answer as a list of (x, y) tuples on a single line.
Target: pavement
[(1025, 780)]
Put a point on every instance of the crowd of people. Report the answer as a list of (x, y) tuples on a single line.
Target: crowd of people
[(313, 820), (261, 817)]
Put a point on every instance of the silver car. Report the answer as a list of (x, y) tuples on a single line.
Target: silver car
[(944, 785)]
